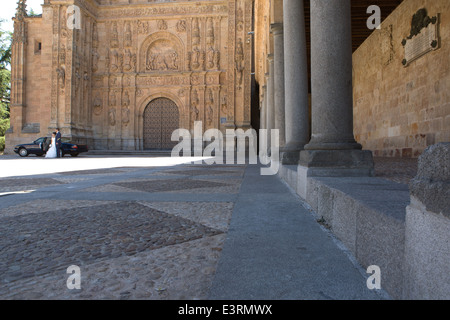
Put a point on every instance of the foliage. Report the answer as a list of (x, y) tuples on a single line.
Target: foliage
[(5, 83)]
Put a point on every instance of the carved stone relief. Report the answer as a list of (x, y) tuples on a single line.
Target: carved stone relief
[(162, 56)]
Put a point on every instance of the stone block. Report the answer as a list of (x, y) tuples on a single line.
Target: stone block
[(380, 241), (431, 186), (427, 254)]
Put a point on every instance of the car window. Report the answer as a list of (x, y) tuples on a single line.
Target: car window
[(38, 141)]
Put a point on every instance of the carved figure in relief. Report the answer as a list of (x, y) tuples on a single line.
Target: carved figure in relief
[(162, 25), (95, 58), (126, 99), (210, 103), (210, 58), (115, 61), (94, 36), (128, 37), (210, 32), (210, 115), (181, 26), (112, 99), (97, 105), (62, 55), (142, 27), (224, 103), (61, 77), (240, 61), (194, 103), (195, 32), (162, 55), (126, 116), (114, 36), (112, 117), (129, 60), (195, 63)]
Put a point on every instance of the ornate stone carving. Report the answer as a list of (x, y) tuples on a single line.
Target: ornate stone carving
[(116, 61), (126, 99), (125, 116), (97, 105), (94, 35), (112, 98), (209, 102), (143, 27), (240, 19), (181, 26), (162, 56), (95, 58), (128, 40), (162, 25), (240, 65), (129, 61), (112, 117), (62, 55), (210, 38), (195, 32), (194, 104), (114, 43), (61, 77)]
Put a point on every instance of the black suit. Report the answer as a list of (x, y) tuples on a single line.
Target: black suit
[(58, 144)]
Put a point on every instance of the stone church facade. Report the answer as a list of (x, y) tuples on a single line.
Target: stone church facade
[(127, 73)]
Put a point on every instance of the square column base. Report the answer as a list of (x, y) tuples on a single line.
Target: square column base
[(332, 163), (337, 163)]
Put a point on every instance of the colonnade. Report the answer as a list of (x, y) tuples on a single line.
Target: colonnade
[(285, 103)]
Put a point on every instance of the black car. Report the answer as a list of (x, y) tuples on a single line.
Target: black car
[(39, 147)]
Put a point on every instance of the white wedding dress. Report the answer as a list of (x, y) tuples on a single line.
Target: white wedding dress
[(51, 153)]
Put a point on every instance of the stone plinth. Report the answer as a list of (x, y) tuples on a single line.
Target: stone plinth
[(427, 244)]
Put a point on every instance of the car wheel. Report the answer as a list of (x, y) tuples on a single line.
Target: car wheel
[(23, 152), (74, 154)]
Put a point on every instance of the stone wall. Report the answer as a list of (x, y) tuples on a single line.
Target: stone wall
[(399, 111)]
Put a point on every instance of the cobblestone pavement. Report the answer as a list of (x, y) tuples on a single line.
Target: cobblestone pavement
[(135, 232), (136, 248)]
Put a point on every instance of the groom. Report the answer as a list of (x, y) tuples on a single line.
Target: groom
[(58, 143)]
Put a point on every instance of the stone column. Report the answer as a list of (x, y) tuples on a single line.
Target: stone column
[(332, 144), (296, 81), (270, 103), (278, 79)]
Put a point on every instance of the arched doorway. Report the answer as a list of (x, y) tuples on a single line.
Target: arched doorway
[(161, 118)]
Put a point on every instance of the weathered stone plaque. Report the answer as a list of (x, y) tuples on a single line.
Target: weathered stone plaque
[(424, 37)]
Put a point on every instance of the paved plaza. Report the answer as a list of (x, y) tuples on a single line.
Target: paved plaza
[(150, 228)]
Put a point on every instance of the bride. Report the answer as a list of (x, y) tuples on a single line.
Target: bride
[(51, 153)]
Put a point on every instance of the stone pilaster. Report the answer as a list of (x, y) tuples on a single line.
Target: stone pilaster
[(333, 150), (270, 102), (278, 79), (296, 81)]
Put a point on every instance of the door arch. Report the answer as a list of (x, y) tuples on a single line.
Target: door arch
[(161, 118)]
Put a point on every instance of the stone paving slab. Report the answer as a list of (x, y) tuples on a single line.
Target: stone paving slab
[(132, 246), (164, 236)]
